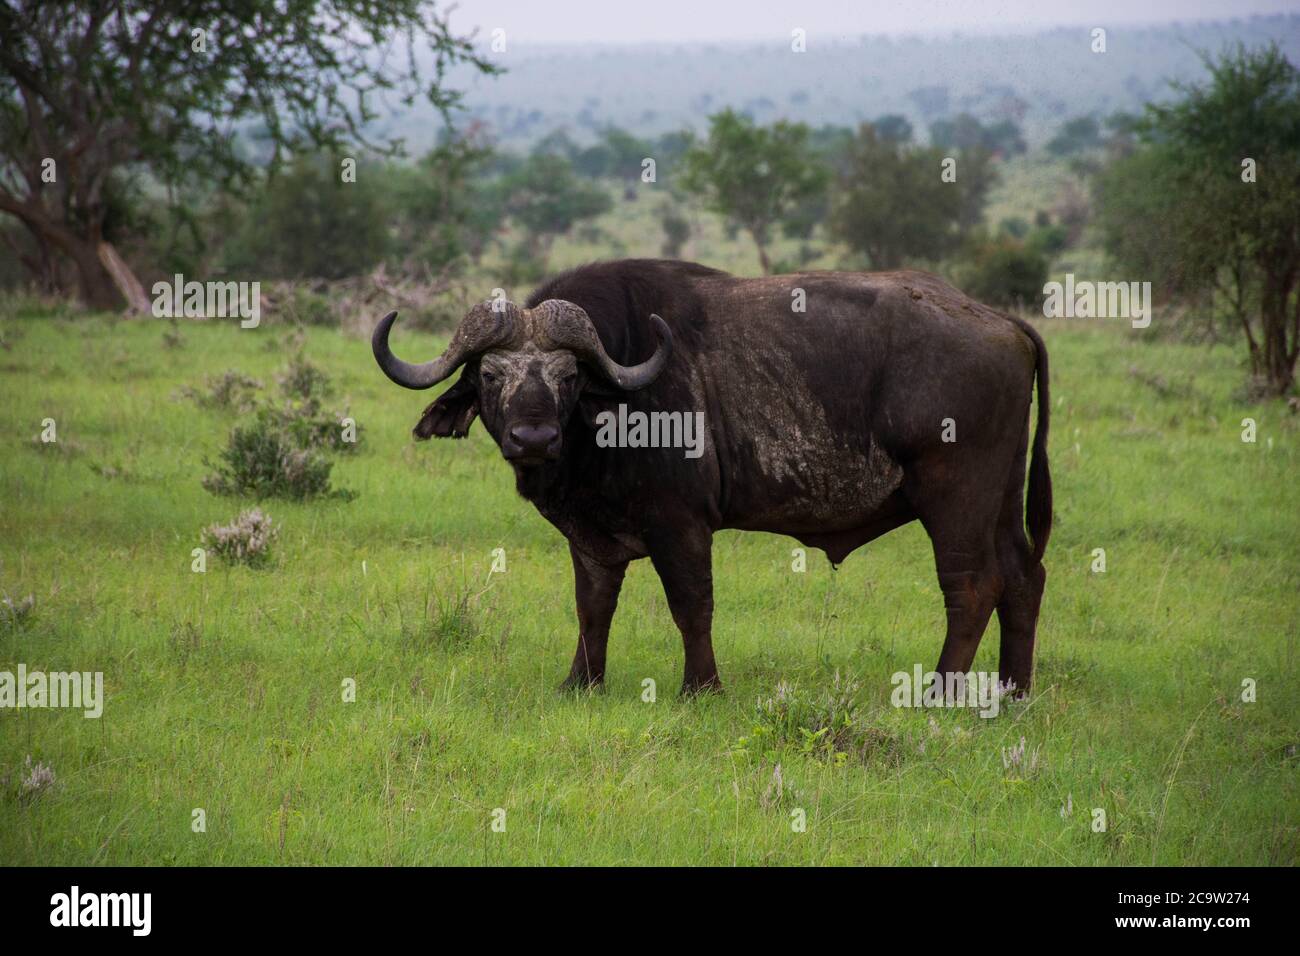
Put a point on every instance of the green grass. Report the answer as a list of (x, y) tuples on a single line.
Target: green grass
[(224, 689)]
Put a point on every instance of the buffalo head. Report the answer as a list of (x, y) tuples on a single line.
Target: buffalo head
[(525, 370)]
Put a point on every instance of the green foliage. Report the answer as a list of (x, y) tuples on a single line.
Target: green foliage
[(964, 133), (280, 451), (546, 197), (442, 208), (1048, 240), (125, 80), (16, 613), (304, 306), (757, 177), (1147, 225), (307, 222), (1075, 136), (892, 127), (677, 229), (829, 725), (304, 380), (452, 618), (893, 206), (1187, 208), (1003, 272), (522, 265), (232, 389), (262, 460)]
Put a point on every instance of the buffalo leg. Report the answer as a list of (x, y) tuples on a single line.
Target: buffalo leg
[(1018, 617), (1023, 579), (684, 562), (596, 588), (972, 585), (963, 526)]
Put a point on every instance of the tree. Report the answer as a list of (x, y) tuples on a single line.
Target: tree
[(547, 197), (1076, 136), (307, 223), (755, 176), (894, 205), (1004, 272), (1220, 168), (894, 127), (90, 89), (442, 208), (964, 132), (677, 229)]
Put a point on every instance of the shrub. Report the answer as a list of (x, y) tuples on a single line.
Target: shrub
[(1005, 273), (278, 453), (246, 540), (1048, 240), (306, 222), (231, 389), (677, 229), (301, 379), (828, 726), (307, 307), (309, 427), (262, 460)]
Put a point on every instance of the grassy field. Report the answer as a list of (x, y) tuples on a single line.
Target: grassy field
[(224, 689)]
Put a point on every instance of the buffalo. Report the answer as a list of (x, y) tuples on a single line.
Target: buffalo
[(836, 406)]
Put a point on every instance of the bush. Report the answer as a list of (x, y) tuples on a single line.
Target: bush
[(307, 307), (1048, 240), (231, 389), (308, 427), (307, 223), (303, 380), (263, 460), (247, 540), (677, 229), (278, 454), (521, 266), (1004, 273), (828, 726)]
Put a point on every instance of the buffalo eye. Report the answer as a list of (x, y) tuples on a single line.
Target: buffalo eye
[(487, 376)]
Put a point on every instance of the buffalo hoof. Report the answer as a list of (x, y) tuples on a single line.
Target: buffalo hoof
[(577, 682), (701, 685)]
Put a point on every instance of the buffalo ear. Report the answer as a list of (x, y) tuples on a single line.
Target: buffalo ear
[(450, 415)]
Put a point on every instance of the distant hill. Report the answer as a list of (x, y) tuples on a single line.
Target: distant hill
[(1038, 79)]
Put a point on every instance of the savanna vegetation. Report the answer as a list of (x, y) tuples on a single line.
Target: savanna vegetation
[(360, 664)]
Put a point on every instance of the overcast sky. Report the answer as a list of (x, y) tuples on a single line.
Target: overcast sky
[(530, 22)]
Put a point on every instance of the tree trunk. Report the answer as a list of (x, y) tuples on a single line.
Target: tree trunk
[(104, 279), (762, 257), (1278, 358), (124, 279), (42, 266), (97, 289)]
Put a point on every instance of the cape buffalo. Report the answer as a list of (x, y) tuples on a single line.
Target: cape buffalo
[(891, 397)]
